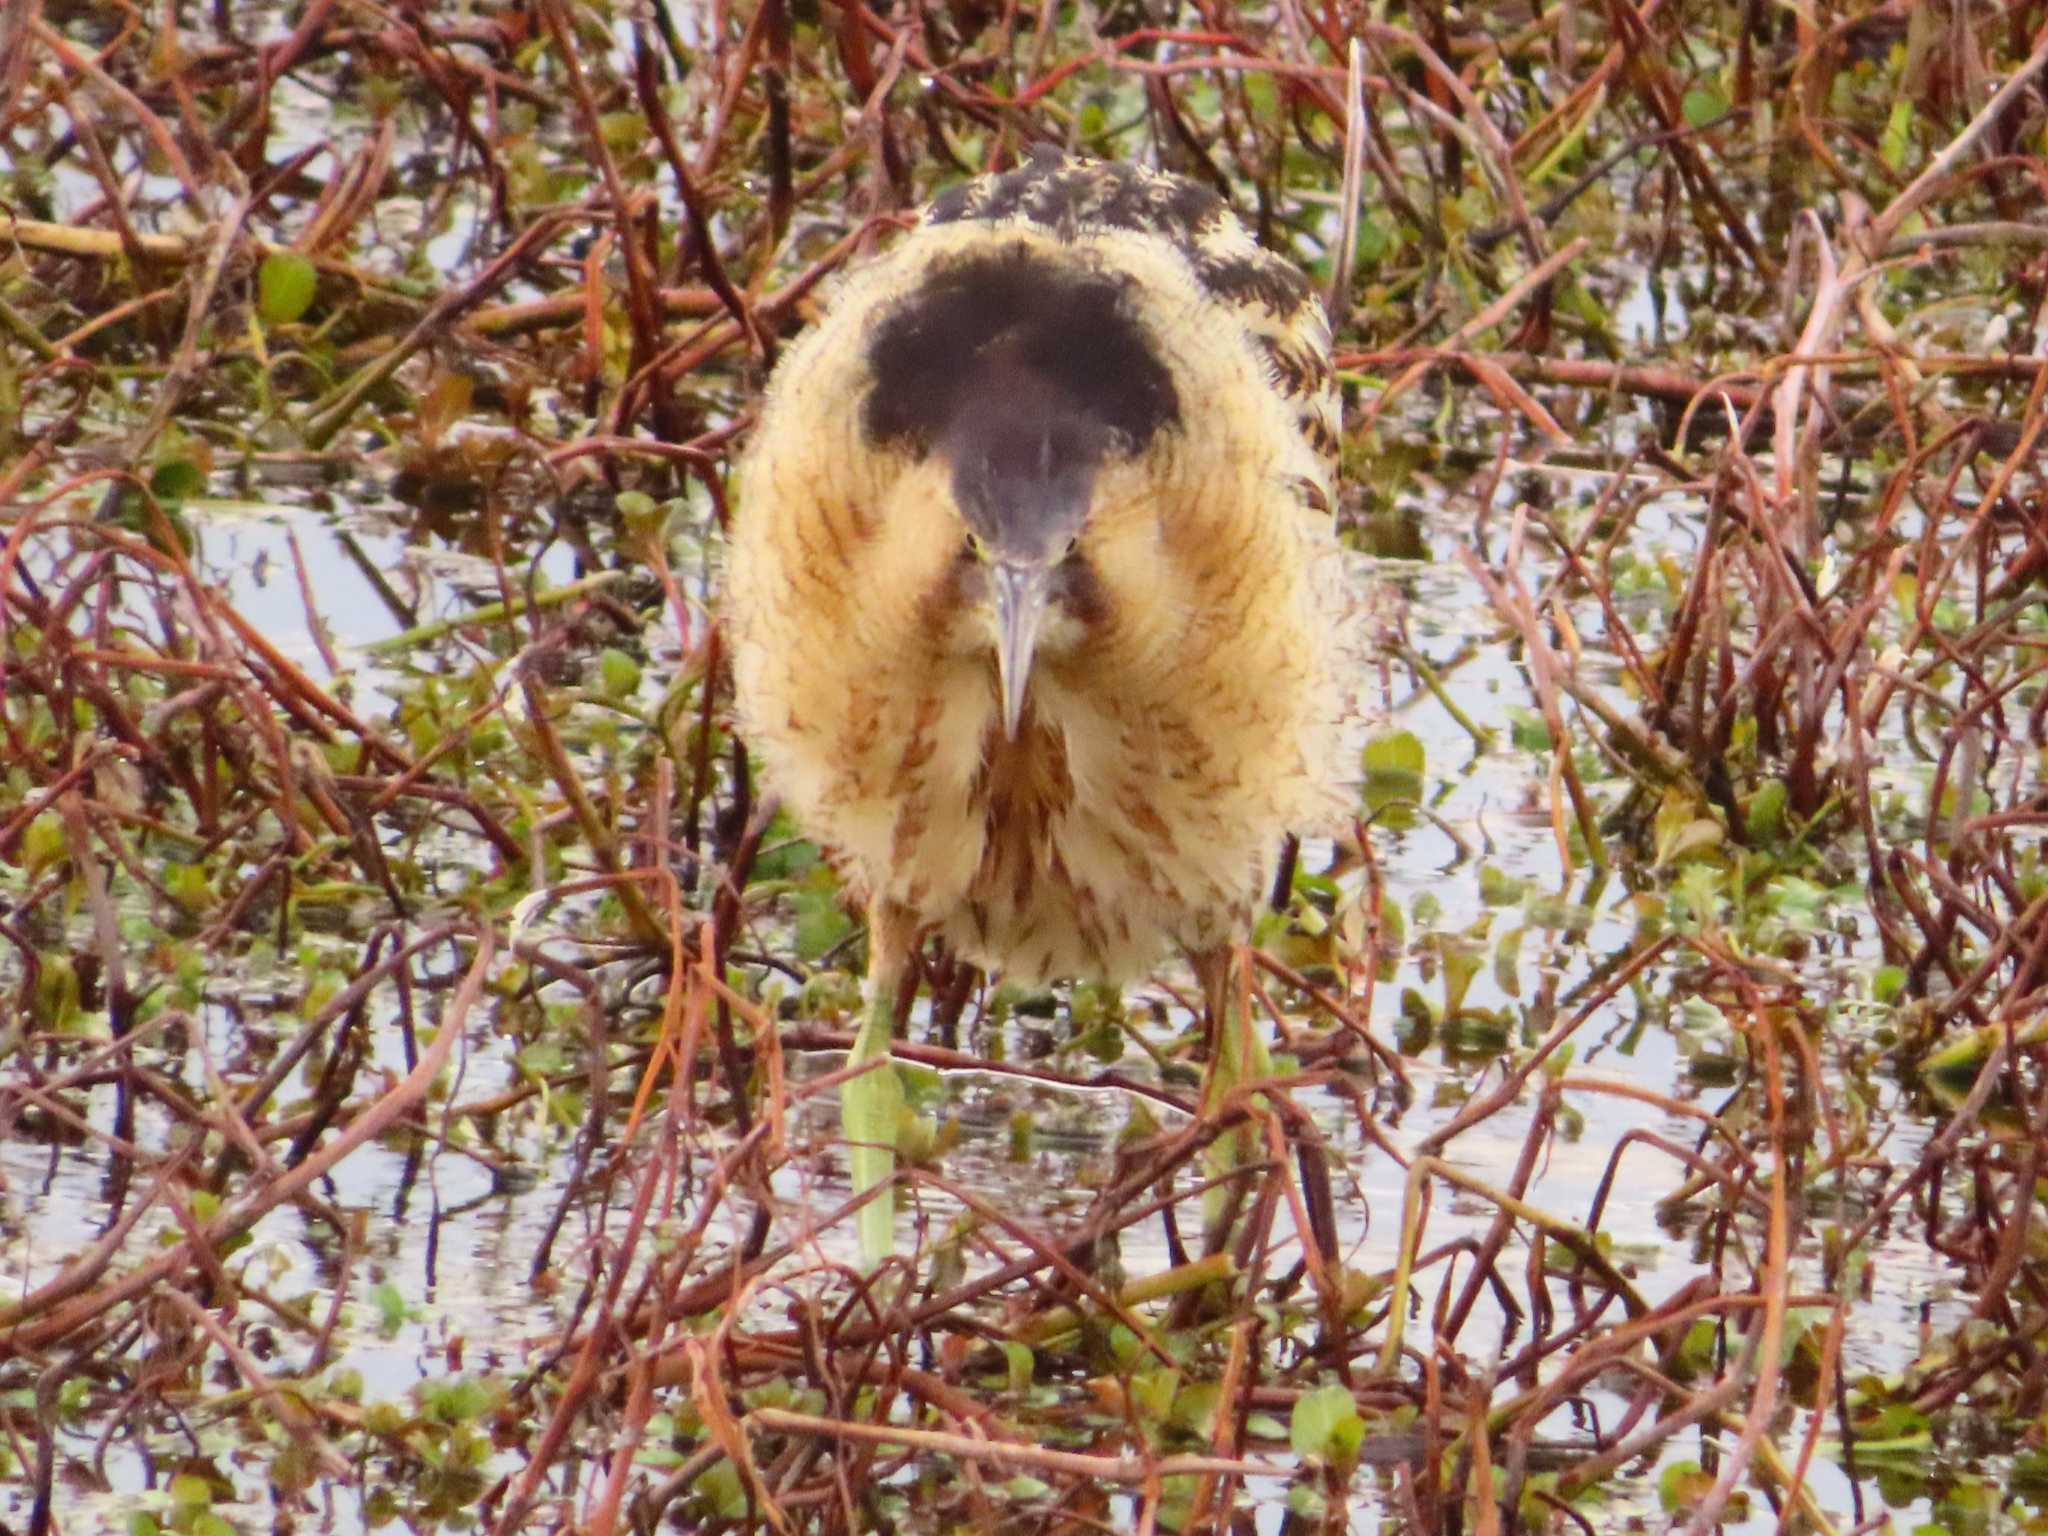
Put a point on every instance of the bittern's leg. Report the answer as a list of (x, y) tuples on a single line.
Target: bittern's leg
[(1238, 1051), (1237, 1055), (871, 1105)]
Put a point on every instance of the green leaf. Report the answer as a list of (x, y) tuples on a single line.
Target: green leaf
[(617, 673), (623, 131), (1700, 892), (1683, 1483), (1151, 1393), (456, 1399), (790, 857), (1700, 1014), (821, 922), (1528, 729), (1764, 817), (285, 285), (1021, 1361), (1393, 766), (1800, 903), (721, 1489), (1702, 104), (1326, 1424), (186, 885), (1393, 939), (1680, 829), (1897, 142), (1462, 956), (177, 479), (1894, 1422), (1506, 951), (1195, 1405), (293, 1469), (1375, 241), (345, 1383), (1961, 1058), (45, 842), (390, 1304), (1497, 888)]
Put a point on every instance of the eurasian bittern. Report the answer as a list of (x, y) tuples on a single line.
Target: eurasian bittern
[(1035, 601)]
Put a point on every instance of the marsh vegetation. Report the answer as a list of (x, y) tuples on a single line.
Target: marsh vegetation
[(417, 1039)]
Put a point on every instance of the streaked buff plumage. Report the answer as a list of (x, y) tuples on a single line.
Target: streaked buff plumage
[(1174, 735)]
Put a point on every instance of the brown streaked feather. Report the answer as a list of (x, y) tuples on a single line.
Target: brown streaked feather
[(1189, 713), (1023, 787)]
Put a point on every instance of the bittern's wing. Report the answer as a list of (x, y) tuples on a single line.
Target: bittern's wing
[(1269, 297)]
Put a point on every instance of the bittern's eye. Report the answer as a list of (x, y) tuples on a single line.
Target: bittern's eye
[(1073, 549), (970, 548)]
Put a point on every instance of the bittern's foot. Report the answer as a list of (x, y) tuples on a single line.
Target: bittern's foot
[(1237, 1056), (871, 1105), (871, 1113)]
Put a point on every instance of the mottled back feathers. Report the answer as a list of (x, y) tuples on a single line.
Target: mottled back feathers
[(1272, 300)]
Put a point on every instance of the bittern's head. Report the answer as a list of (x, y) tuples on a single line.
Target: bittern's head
[(1026, 377)]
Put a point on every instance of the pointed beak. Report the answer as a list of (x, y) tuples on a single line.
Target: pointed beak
[(1020, 593)]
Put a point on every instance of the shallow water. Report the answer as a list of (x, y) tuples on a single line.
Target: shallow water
[(454, 1245)]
